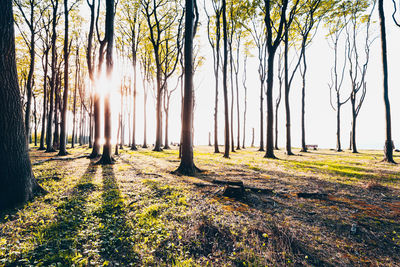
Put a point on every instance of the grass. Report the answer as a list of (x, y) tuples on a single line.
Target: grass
[(136, 212)]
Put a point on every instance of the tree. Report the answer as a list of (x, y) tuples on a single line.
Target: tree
[(187, 166), (305, 22), (244, 78), (17, 182), (357, 70), (288, 79), (279, 97), (63, 135), (224, 78), (29, 11), (274, 36), (109, 40), (45, 65), (215, 45), (337, 76), (49, 134), (160, 16), (388, 151), (258, 34)]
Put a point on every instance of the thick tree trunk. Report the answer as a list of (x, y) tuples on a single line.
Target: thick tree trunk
[(17, 182), (388, 151), (157, 146), (270, 108), (187, 166), (63, 135), (109, 38)]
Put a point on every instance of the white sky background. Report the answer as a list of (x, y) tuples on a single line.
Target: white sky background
[(320, 117)]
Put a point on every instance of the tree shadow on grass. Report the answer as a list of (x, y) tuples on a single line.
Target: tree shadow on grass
[(58, 241), (117, 244)]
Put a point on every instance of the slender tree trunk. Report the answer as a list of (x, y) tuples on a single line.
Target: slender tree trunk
[(252, 139), (133, 146), (17, 182), (49, 134), (261, 117), (44, 115), (287, 90), (353, 129), (388, 151), (232, 95), (144, 120), (64, 135), (224, 79), (56, 136), (338, 143), (303, 105), (29, 83), (75, 92), (237, 106)]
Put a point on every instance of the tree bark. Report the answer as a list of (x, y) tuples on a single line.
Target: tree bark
[(109, 38), (63, 134), (187, 166), (388, 151), (17, 182), (49, 134), (224, 79), (287, 90)]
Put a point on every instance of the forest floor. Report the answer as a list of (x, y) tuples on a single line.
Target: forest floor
[(136, 212)]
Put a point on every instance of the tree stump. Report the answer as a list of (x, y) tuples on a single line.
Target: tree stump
[(234, 191)]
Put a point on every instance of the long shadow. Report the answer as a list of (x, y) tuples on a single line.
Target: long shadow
[(59, 239), (117, 243)]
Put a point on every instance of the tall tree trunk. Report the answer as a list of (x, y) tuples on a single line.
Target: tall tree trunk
[(63, 135), (56, 136), (49, 134), (252, 139), (17, 182), (237, 103), (44, 114), (388, 151), (245, 102), (75, 93), (261, 117), (338, 143), (109, 38), (224, 79), (353, 127), (232, 95), (303, 104), (270, 109), (144, 120), (187, 166), (287, 90), (133, 146), (29, 83)]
